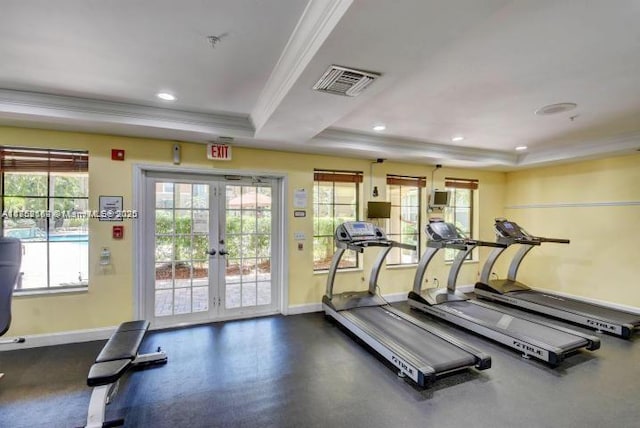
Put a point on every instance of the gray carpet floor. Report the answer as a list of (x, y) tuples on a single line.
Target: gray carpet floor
[(304, 371)]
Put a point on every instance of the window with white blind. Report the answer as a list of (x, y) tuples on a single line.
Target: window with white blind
[(45, 196), (335, 200), (405, 195), (460, 209)]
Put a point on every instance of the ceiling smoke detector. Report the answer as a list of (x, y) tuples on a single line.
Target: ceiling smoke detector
[(555, 108), (344, 81)]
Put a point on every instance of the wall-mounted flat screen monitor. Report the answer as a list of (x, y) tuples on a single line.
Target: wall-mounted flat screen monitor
[(440, 199), (378, 209)]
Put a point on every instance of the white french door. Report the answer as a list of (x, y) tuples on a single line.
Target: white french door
[(209, 247)]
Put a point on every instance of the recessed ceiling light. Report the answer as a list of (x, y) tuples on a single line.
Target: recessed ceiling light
[(379, 128), (555, 108), (166, 96), (457, 138), (521, 148)]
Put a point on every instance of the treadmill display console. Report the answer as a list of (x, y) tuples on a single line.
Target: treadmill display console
[(441, 231), (508, 229), (358, 231)]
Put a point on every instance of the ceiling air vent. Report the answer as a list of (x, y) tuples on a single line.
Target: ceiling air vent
[(344, 81)]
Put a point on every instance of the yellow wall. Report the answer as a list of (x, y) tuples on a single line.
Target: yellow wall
[(109, 300), (601, 262)]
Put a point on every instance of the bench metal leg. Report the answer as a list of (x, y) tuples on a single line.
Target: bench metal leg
[(14, 340), (114, 360), (100, 397), (152, 358)]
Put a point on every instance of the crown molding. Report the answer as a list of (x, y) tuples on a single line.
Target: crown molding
[(316, 23), (410, 150), (583, 150), (65, 109)]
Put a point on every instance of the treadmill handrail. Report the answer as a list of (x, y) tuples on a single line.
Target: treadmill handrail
[(359, 247), (463, 243), (478, 243), (460, 258), (446, 244), (525, 239), (507, 241), (553, 240)]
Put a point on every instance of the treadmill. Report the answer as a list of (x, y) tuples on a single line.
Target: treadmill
[(419, 351), (512, 292), (532, 338)]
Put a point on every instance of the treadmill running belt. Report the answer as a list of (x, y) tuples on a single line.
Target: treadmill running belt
[(432, 350), (502, 321), (576, 306)]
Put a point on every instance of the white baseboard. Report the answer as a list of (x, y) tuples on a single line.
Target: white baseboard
[(62, 338), (611, 305), (304, 308), (317, 307), (77, 336)]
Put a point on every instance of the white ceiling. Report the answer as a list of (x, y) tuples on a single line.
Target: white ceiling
[(476, 68)]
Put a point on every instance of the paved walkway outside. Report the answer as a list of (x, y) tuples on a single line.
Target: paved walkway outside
[(238, 294)]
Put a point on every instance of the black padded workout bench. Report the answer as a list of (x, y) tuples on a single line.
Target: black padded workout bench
[(118, 356)]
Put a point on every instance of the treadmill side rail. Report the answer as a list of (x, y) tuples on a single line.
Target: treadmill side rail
[(417, 350), (483, 360), (420, 375), (623, 330), (593, 341)]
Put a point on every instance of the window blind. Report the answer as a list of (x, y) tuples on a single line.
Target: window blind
[(338, 176), (461, 183), (407, 181), (39, 160)]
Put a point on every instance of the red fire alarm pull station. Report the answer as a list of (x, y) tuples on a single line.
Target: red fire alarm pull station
[(117, 154), (118, 232)]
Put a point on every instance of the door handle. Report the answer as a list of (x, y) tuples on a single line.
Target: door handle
[(212, 252), (223, 252)]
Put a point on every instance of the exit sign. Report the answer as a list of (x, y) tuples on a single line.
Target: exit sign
[(218, 151)]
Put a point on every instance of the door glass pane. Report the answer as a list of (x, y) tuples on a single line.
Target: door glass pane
[(188, 279), (200, 194), (201, 298), (164, 275), (164, 303), (264, 293), (182, 301), (248, 241), (181, 252), (164, 221), (182, 195), (164, 195), (264, 281), (249, 293)]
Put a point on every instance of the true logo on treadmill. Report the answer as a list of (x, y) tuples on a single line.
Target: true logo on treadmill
[(527, 349), (509, 300), (403, 366), (601, 325)]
